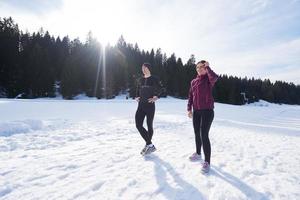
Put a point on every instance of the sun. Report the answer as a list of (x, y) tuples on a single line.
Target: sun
[(105, 35)]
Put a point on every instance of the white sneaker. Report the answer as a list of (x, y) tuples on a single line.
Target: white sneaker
[(205, 168), (144, 150), (149, 149), (195, 157)]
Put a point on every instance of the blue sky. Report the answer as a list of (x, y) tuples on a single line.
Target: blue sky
[(259, 38)]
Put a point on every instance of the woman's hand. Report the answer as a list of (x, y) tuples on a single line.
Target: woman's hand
[(190, 114), (153, 99), (206, 64)]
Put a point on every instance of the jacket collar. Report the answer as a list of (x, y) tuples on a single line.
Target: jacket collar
[(201, 76)]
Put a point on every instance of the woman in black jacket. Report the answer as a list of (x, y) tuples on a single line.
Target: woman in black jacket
[(148, 91)]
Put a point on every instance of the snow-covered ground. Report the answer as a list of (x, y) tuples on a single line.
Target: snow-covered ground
[(89, 149)]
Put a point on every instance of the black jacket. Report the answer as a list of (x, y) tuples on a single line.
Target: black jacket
[(147, 88)]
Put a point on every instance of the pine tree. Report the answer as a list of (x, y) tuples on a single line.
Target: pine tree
[(31, 64)]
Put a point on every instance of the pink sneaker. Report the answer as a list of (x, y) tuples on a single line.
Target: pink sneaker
[(195, 157), (205, 167)]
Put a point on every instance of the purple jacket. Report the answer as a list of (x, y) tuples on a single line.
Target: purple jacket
[(200, 94)]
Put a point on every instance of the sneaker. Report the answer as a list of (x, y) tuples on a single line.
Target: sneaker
[(149, 149), (195, 157), (144, 150), (205, 168)]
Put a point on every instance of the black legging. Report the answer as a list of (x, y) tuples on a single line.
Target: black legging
[(145, 109), (202, 120)]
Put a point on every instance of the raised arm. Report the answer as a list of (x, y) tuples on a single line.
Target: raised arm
[(212, 76)]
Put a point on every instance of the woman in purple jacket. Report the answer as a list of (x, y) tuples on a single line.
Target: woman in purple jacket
[(202, 103)]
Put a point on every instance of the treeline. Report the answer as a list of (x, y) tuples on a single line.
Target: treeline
[(36, 65)]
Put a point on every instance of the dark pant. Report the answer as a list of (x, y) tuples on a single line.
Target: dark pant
[(202, 120), (145, 110)]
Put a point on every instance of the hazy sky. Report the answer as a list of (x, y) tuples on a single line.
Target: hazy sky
[(259, 38)]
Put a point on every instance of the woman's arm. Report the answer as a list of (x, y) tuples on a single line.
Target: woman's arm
[(157, 87), (157, 90), (190, 101), (212, 76), (137, 91)]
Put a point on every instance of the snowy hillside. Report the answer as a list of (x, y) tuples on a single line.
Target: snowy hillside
[(89, 149)]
